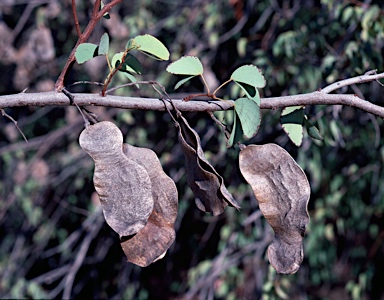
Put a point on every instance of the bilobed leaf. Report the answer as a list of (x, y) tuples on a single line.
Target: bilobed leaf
[(104, 44), (249, 74), (150, 45), (186, 65), (250, 92), (85, 51), (181, 82), (282, 190), (249, 78), (123, 185), (292, 119), (249, 115), (312, 131), (130, 64)]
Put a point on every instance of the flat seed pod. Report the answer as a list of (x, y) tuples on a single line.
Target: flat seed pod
[(283, 191), (153, 241), (211, 195), (124, 187)]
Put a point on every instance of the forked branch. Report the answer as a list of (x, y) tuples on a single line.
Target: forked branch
[(83, 37)]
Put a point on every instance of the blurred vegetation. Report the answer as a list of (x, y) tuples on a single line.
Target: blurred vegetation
[(53, 238)]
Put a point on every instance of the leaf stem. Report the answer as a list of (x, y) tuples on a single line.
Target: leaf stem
[(228, 81), (206, 85), (112, 72)]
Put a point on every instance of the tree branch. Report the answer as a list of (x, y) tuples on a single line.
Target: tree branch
[(320, 97), (59, 99)]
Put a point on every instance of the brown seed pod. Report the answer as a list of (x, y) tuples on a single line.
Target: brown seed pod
[(153, 241), (124, 187), (207, 185), (283, 192)]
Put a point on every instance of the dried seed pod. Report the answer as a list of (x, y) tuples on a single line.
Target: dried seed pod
[(207, 185), (124, 187), (152, 242), (283, 191)]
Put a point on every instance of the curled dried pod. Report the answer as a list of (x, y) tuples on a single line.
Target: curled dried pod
[(124, 187), (211, 195), (282, 190), (152, 242)]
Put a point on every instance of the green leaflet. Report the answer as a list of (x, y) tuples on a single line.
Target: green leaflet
[(85, 52), (249, 78), (181, 82), (237, 132), (249, 115), (150, 45), (131, 64), (104, 44), (312, 130), (292, 119), (186, 65)]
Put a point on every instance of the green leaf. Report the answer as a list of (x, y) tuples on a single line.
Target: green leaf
[(249, 78), (312, 130), (150, 45), (131, 78), (249, 116), (249, 74), (130, 64), (250, 92), (181, 82), (104, 44), (186, 65), (237, 132), (85, 51), (292, 119), (106, 15)]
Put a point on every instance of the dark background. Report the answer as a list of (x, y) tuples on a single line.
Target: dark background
[(54, 241)]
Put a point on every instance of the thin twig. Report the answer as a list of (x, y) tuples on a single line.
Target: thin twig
[(86, 82), (72, 101), (354, 80), (4, 114), (125, 85), (77, 24), (165, 104), (221, 124)]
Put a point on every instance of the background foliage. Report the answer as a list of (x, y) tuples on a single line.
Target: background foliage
[(53, 238)]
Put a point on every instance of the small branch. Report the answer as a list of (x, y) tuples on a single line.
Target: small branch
[(95, 18), (76, 19), (4, 114), (369, 76)]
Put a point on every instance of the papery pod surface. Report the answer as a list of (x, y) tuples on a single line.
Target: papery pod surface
[(124, 186), (282, 190)]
